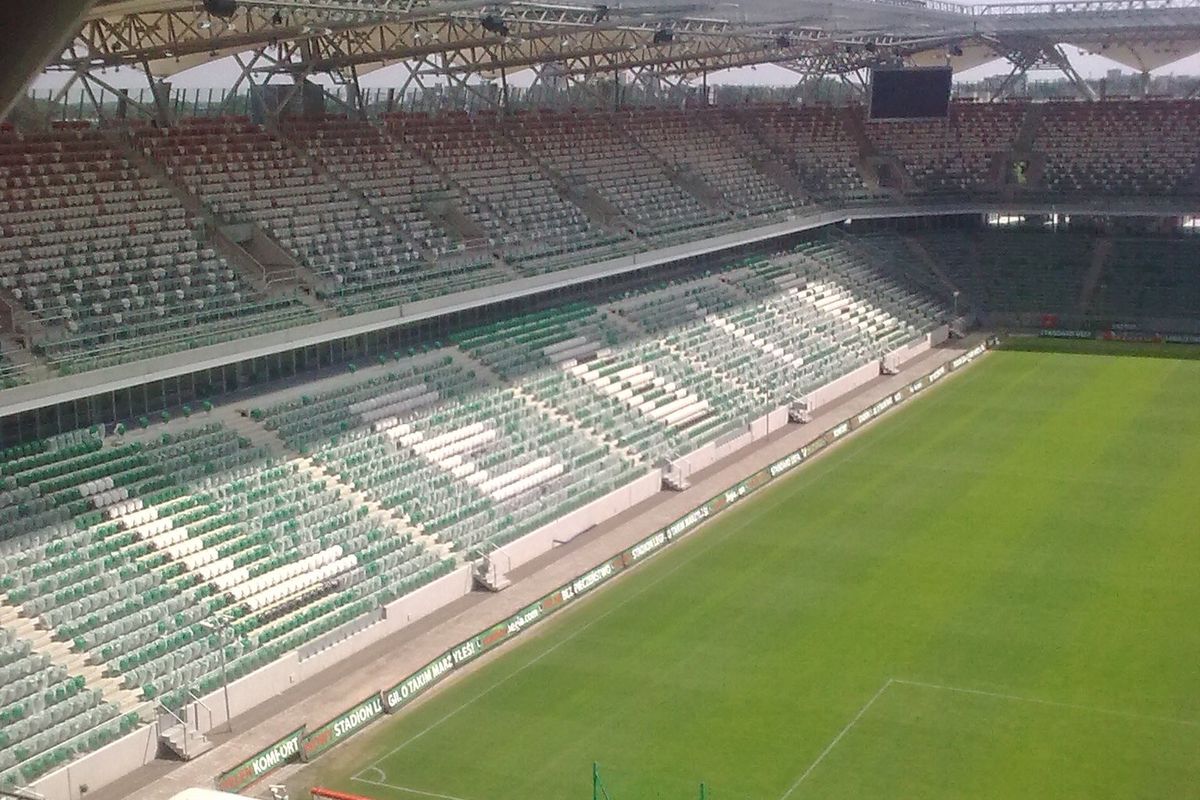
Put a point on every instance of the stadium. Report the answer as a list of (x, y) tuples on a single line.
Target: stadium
[(505, 400)]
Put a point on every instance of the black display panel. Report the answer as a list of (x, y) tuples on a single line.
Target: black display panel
[(911, 93)]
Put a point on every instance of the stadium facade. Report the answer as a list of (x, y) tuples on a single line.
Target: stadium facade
[(287, 369)]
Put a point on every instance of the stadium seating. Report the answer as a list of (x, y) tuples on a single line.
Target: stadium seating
[(814, 142), (1149, 277), (46, 714), (875, 268), (395, 181), (699, 142), (245, 174), (985, 132), (646, 398), (474, 472), (592, 149), (127, 550), (1121, 148), (102, 263), (156, 554), (1014, 271), (827, 314), (106, 260), (521, 344), (953, 155), (677, 303), (308, 418), (153, 553), (538, 230)]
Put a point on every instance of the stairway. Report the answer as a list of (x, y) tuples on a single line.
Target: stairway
[(1027, 133), (185, 742), (870, 159), (491, 376), (750, 126), (922, 254), (688, 179), (783, 177), (264, 438), (1100, 253), (675, 481), (17, 321), (278, 275), (16, 352), (489, 575), (600, 211), (624, 323), (76, 663)]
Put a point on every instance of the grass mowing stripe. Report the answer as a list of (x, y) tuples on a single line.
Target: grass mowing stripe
[(574, 632), (987, 537)]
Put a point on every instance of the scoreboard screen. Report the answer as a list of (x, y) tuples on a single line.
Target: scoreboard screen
[(910, 93)]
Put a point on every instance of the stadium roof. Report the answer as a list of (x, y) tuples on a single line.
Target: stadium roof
[(171, 35), (462, 38)]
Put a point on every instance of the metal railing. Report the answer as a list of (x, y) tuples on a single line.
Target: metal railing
[(197, 703), (1082, 7), (931, 5), (160, 708), (1039, 7)]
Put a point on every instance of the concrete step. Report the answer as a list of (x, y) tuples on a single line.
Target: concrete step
[(185, 742), (60, 653), (255, 432)]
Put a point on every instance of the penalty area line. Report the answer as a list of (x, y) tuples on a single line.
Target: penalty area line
[(408, 789), (841, 735), (1112, 712)]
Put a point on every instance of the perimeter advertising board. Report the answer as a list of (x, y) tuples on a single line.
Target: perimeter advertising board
[(343, 726), (266, 760), (419, 682)]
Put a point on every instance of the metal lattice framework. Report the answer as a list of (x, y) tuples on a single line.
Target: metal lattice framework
[(323, 37), (466, 41)]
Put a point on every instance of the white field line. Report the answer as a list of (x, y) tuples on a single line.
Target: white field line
[(901, 422), (1015, 698), (566, 639), (382, 774), (829, 747), (1112, 712), (408, 790)]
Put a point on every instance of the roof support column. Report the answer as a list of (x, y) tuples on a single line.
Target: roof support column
[(1059, 57), (1002, 91), (160, 93)]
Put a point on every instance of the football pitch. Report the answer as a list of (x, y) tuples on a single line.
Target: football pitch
[(992, 593)]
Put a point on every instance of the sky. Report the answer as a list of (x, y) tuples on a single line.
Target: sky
[(222, 73)]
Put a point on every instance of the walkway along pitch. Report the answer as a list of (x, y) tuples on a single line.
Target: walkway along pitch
[(387, 662)]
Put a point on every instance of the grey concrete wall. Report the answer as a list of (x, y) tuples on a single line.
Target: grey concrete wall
[(916, 347), (709, 454), (777, 419), (542, 540), (275, 678), (140, 747), (109, 763), (397, 615), (847, 383)]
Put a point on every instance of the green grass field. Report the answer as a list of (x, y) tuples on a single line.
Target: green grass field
[(992, 593)]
